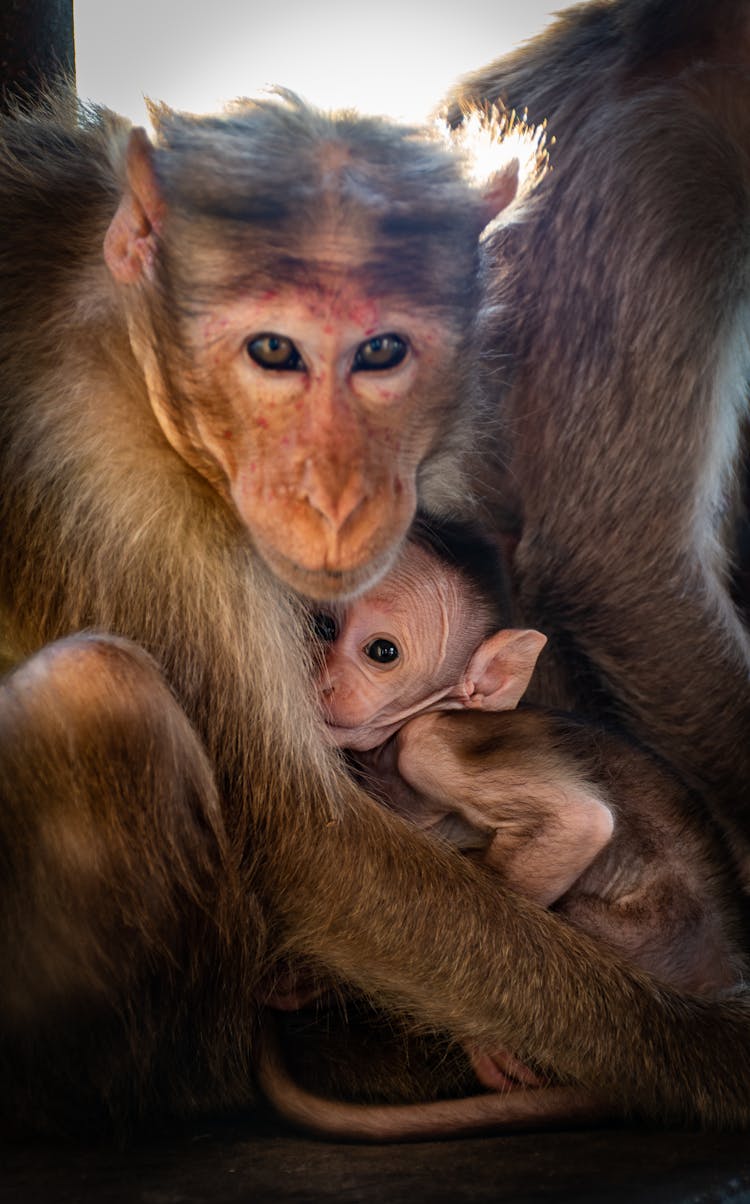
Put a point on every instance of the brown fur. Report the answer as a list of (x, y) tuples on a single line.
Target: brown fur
[(567, 813), (520, 1109), (624, 334), (106, 525), (658, 891)]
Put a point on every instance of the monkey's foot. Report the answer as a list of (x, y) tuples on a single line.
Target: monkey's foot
[(500, 1071)]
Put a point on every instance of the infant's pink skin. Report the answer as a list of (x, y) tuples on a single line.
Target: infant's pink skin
[(425, 612), (446, 661)]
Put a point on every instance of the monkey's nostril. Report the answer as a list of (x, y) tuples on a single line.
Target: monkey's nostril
[(336, 491)]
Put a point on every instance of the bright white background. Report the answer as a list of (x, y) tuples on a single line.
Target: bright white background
[(381, 57)]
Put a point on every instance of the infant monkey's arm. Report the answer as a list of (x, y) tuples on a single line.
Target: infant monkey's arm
[(400, 662), (480, 766)]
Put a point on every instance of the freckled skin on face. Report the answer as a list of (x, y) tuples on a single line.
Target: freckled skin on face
[(421, 608), (338, 445)]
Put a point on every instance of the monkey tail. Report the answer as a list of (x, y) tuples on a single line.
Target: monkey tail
[(525, 1108)]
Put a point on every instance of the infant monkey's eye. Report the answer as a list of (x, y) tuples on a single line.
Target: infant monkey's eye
[(275, 352), (325, 627), (382, 651)]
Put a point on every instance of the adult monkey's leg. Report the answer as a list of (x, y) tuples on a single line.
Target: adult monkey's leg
[(115, 882)]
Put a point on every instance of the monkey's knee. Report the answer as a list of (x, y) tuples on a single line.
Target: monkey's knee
[(111, 839), (96, 709), (87, 680)]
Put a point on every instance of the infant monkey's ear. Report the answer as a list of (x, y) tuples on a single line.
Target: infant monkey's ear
[(500, 670)]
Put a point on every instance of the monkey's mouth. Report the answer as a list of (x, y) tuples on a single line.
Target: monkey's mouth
[(324, 584)]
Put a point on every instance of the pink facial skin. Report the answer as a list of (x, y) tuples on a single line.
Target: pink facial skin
[(312, 467), (306, 455), (424, 613), (415, 612)]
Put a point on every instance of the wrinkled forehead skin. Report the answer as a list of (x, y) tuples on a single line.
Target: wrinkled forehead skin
[(291, 181), (436, 620), (432, 614)]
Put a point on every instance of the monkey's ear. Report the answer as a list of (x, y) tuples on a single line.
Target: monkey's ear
[(501, 668), (500, 190), (130, 242), (505, 158)]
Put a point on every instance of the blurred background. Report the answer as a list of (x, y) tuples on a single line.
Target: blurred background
[(391, 58)]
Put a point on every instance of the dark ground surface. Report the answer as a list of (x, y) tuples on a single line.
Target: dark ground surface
[(230, 1163)]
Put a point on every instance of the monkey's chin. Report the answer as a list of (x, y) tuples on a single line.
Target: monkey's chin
[(327, 585)]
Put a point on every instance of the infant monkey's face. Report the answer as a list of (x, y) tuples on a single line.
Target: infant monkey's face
[(395, 651)]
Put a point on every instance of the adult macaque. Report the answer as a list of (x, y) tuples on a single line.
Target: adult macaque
[(246, 390), (624, 334)]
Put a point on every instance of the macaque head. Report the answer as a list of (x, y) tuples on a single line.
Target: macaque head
[(301, 292), (417, 642)]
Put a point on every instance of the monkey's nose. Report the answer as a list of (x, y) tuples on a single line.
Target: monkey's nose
[(335, 491)]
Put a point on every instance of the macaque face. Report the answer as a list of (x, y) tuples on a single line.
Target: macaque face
[(304, 319), (323, 404), (400, 650)]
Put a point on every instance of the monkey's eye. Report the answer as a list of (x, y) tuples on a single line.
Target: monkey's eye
[(381, 353), (383, 651), (325, 627), (275, 352)]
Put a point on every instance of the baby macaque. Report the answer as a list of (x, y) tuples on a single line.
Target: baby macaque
[(420, 684)]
